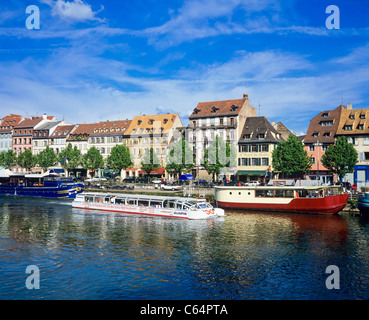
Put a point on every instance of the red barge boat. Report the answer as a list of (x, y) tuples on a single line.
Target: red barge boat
[(312, 199)]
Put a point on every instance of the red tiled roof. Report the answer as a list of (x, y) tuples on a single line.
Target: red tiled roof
[(9, 122), (103, 128), (217, 108)]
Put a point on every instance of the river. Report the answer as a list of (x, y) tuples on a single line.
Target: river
[(85, 254)]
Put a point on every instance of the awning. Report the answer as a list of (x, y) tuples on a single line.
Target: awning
[(186, 177), (158, 171), (260, 173)]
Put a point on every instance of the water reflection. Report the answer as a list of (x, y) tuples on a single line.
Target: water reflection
[(91, 255)]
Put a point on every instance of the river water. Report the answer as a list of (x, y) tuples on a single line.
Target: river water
[(85, 254)]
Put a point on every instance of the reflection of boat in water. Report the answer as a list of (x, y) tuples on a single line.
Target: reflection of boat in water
[(363, 203), (175, 207), (312, 199), (40, 185)]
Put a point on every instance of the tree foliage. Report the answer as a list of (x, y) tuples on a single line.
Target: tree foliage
[(180, 158), (150, 161), (290, 158), (341, 157), (26, 159), (119, 158), (46, 158), (218, 155), (8, 159), (92, 160), (70, 158)]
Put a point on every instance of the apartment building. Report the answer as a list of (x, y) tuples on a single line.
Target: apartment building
[(319, 136), (152, 131), (255, 147), (22, 138), (354, 124), (6, 130), (224, 118), (41, 135)]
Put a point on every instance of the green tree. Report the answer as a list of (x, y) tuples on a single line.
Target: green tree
[(46, 158), (92, 160), (8, 159), (180, 158), (70, 158), (26, 159), (341, 157), (119, 158), (150, 161), (290, 158), (218, 155)]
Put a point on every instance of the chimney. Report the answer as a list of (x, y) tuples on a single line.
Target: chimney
[(349, 106), (245, 96), (44, 116), (273, 123)]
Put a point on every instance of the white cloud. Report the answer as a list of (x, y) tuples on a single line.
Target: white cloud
[(74, 11)]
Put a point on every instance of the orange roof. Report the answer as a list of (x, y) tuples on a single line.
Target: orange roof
[(356, 119), (9, 122), (103, 128), (152, 124), (218, 108)]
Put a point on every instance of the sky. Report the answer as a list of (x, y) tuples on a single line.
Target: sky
[(96, 60)]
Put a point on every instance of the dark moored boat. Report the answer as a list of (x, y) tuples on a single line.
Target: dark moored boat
[(363, 203), (40, 185)]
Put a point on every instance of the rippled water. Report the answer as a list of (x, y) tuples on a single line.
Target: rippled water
[(84, 254)]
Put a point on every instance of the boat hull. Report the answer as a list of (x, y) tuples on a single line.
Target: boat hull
[(363, 204), (181, 214), (327, 205), (45, 192)]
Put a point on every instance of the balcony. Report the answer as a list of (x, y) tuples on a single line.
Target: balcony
[(229, 124)]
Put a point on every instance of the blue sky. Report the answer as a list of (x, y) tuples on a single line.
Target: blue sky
[(94, 60)]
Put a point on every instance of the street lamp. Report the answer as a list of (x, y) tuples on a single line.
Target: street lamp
[(317, 144)]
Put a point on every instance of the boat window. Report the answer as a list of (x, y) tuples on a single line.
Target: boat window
[(260, 193), (131, 202), (143, 203), (120, 201), (179, 205), (202, 205), (156, 204), (278, 193), (289, 193), (171, 204), (99, 199)]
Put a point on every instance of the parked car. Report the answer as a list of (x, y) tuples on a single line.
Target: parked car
[(129, 180), (253, 183), (170, 187)]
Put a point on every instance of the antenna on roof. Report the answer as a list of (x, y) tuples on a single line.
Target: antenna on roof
[(259, 108)]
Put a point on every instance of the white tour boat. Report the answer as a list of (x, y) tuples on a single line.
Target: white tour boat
[(174, 207)]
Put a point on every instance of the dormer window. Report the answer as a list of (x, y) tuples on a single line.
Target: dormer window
[(196, 111), (214, 109), (316, 134), (151, 121), (261, 136), (352, 116), (347, 128), (325, 115), (234, 108), (360, 127), (139, 122), (165, 121), (246, 136), (327, 134)]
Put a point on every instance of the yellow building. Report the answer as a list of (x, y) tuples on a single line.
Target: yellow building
[(255, 147), (152, 131)]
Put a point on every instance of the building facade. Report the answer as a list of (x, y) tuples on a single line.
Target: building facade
[(255, 147), (152, 131), (7, 125), (354, 124), (224, 118), (319, 136)]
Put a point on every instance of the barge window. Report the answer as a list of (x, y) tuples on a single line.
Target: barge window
[(289, 193), (278, 193), (119, 201), (143, 203), (171, 204), (156, 204), (131, 202)]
